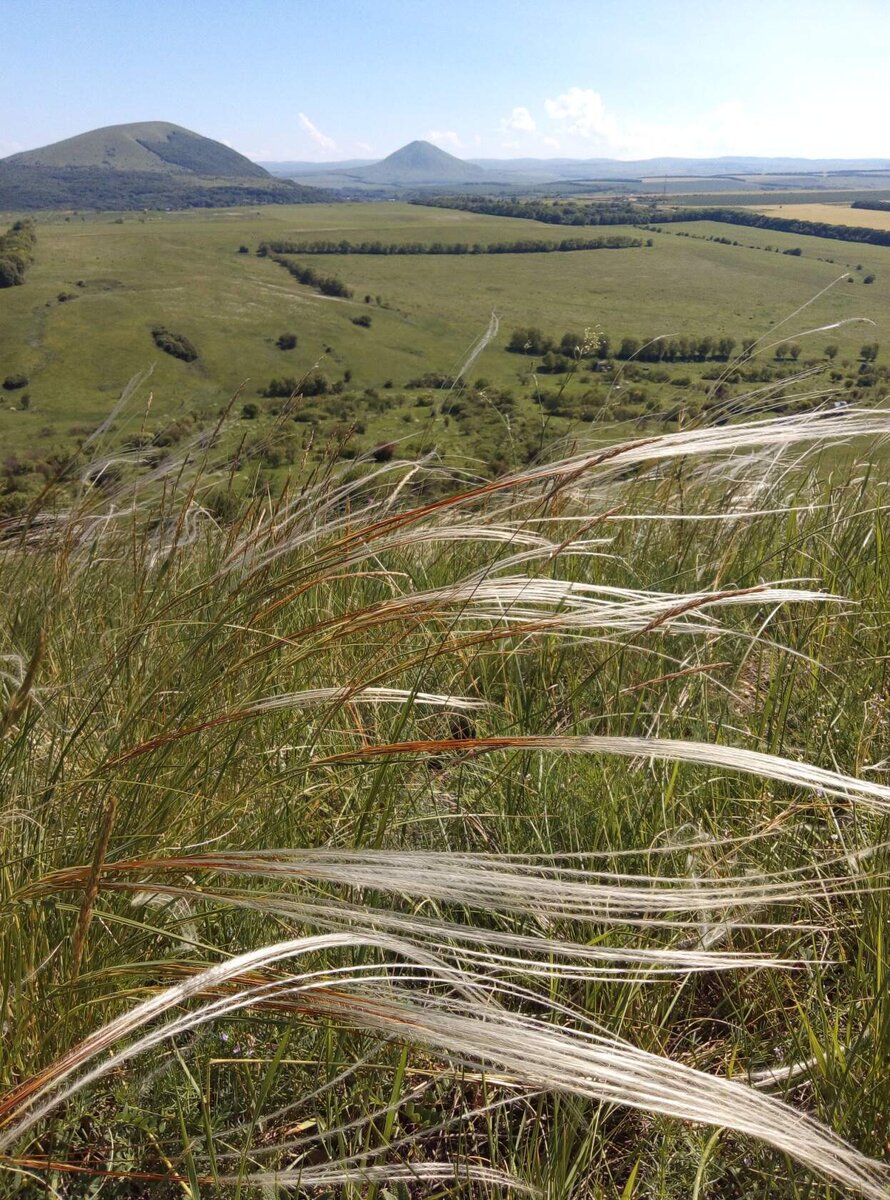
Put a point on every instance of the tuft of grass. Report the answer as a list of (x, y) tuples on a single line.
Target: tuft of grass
[(529, 839)]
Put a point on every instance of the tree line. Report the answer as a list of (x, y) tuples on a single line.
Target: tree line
[(558, 355), (327, 285), (742, 216), (17, 252), (874, 205), (626, 212), (521, 246), (570, 212)]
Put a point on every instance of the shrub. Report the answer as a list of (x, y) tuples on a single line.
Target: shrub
[(364, 321), (383, 453), (175, 344), (287, 341), (250, 411), (12, 382), (16, 253)]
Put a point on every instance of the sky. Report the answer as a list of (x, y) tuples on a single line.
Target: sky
[(327, 80)]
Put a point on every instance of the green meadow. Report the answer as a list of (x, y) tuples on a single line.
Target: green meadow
[(183, 270)]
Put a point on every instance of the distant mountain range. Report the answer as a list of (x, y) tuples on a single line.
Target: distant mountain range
[(151, 164), (423, 165)]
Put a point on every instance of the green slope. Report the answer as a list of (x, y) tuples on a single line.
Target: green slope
[(144, 146)]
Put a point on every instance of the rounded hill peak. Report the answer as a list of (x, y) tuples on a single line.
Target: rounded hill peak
[(155, 146)]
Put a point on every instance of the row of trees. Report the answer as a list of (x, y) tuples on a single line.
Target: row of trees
[(574, 346), (16, 252), (745, 216), (327, 285), (570, 212), (522, 246), (874, 205), (626, 212)]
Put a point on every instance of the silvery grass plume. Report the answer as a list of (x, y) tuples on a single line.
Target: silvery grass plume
[(863, 792), (453, 942), (489, 1019), (560, 1052)]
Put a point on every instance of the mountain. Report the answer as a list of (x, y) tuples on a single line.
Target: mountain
[(145, 146), (420, 163), (150, 164), (417, 165)]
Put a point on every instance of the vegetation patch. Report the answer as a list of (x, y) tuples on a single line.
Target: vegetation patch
[(16, 252), (175, 344), (612, 212), (326, 285), (522, 246)]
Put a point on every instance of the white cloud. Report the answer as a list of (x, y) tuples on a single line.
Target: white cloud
[(588, 126), (551, 142), (511, 145), (448, 136), (521, 120), (365, 147), (320, 139), (583, 112)]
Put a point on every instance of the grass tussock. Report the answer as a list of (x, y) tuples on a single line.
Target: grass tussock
[(530, 839)]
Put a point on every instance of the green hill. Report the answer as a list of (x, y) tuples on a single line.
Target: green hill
[(151, 164), (420, 163), (145, 146)]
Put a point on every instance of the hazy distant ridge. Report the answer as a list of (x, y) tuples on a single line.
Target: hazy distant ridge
[(422, 164)]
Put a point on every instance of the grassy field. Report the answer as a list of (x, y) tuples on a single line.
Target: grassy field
[(836, 214), (533, 841), (82, 327)]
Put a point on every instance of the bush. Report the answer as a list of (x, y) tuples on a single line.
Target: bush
[(364, 321), (383, 453), (250, 411), (12, 382), (287, 341), (175, 344), (16, 253)]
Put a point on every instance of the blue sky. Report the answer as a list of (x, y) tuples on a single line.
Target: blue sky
[(334, 79)]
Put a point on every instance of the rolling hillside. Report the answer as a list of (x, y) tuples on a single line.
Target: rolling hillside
[(144, 146), (150, 164)]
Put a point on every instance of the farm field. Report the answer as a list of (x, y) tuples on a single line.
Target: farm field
[(836, 214), (81, 326)]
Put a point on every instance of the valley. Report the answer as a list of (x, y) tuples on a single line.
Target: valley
[(81, 328)]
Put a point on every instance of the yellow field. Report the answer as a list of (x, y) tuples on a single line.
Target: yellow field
[(834, 214)]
